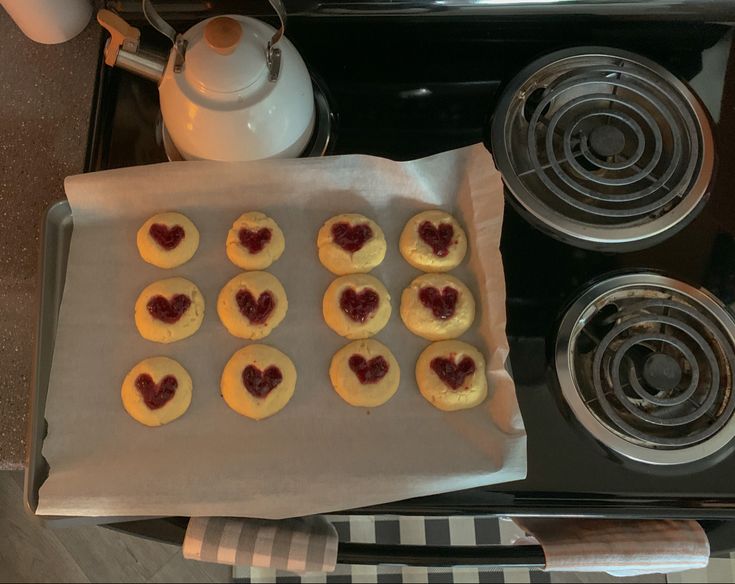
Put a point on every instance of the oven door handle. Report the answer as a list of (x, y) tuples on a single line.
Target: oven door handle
[(496, 556), (173, 529)]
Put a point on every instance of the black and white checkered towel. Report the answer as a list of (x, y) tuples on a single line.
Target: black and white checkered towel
[(394, 530)]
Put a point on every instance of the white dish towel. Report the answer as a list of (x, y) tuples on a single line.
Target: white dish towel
[(618, 547), (307, 544)]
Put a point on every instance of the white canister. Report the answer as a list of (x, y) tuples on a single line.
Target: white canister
[(49, 21)]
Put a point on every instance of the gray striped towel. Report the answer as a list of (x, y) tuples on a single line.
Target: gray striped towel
[(618, 547), (306, 544)]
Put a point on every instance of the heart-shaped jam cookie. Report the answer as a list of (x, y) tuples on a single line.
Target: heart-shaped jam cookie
[(359, 306), (254, 240), (351, 238), (167, 237), (370, 371), (261, 383), (168, 311), (156, 395), (451, 373), (439, 238), (442, 304), (256, 311)]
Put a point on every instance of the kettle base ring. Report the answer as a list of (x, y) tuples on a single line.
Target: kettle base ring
[(319, 144)]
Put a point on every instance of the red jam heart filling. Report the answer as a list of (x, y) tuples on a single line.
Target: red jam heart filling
[(351, 238), (368, 371), (442, 304), (258, 311), (168, 311), (261, 383), (359, 307), (167, 237), (451, 373), (439, 238), (156, 395), (254, 241)]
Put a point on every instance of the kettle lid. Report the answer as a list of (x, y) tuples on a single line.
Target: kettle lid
[(225, 54)]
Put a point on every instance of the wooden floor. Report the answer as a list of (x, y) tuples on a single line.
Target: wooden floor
[(31, 553)]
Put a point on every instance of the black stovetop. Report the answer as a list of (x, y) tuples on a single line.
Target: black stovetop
[(406, 87)]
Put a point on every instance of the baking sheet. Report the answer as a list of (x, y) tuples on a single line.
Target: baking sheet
[(318, 454)]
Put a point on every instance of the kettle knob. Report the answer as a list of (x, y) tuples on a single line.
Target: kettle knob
[(223, 34)]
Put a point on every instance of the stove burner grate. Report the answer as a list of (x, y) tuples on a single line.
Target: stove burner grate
[(603, 148), (647, 363)]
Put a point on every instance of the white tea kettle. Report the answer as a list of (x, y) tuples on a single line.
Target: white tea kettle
[(233, 87)]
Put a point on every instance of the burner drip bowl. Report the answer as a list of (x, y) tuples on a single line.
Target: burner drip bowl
[(646, 363)]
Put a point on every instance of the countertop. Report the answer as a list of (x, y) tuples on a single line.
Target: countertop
[(47, 98)]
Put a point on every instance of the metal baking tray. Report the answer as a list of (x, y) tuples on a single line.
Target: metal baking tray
[(56, 230)]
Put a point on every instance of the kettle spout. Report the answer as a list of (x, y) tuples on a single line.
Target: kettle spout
[(123, 50)]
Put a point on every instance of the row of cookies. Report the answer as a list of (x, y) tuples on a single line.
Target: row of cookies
[(357, 305), (258, 380), (158, 390), (435, 242), (432, 241), (250, 306), (169, 240)]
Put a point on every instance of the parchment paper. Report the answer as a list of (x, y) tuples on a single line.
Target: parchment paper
[(318, 454)]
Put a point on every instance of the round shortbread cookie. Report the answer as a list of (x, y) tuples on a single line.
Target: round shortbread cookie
[(252, 304), (433, 241), (156, 391), (356, 306), (167, 240), (255, 241), (258, 381), (169, 310), (437, 307), (365, 373), (351, 244), (451, 375)]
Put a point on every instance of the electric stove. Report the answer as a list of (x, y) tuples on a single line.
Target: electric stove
[(613, 127)]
